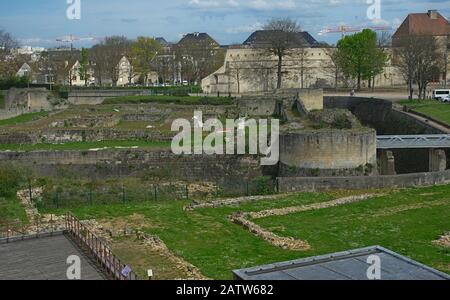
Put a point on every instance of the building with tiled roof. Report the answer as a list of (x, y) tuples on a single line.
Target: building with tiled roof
[(196, 37), (261, 39), (431, 23)]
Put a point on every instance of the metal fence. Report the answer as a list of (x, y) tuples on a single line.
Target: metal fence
[(75, 196), (11, 229), (110, 263)]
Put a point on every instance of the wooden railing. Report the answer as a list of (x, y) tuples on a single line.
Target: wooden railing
[(87, 240)]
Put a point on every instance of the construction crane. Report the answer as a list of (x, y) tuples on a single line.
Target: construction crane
[(343, 30), (70, 39)]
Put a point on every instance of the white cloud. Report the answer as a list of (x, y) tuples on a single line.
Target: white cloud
[(244, 28)]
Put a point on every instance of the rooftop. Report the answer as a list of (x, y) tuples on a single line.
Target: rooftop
[(430, 23), (348, 265), (261, 38), (198, 37), (42, 258)]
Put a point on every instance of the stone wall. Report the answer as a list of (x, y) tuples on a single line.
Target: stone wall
[(264, 104), (8, 114), (379, 114), (312, 98), (96, 135), (114, 163), (297, 184), (60, 135), (254, 70), (95, 97), (257, 106), (33, 99), (330, 151)]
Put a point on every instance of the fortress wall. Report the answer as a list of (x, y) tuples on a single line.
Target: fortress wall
[(379, 114), (328, 150), (297, 184), (312, 98), (33, 99), (97, 97), (257, 107), (113, 163)]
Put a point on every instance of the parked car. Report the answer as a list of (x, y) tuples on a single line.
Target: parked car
[(446, 99)]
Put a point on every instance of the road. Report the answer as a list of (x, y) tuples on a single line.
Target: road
[(395, 97)]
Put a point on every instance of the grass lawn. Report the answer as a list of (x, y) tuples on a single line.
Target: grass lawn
[(11, 210), (88, 146), (406, 221), (182, 100), (24, 118), (435, 109)]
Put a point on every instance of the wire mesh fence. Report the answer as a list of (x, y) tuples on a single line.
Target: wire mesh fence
[(74, 196)]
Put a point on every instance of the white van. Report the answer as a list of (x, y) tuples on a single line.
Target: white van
[(440, 94)]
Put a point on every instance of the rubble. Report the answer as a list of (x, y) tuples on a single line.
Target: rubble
[(295, 209), (287, 243), (108, 232), (443, 240), (231, 201)]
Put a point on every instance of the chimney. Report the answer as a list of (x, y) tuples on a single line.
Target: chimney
[(433, 14)]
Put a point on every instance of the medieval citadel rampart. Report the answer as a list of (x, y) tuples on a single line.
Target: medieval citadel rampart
[(116, 163), (328, 152), (306, 156)]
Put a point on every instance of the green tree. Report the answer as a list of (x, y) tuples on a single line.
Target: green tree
[(144, 51), (360, 57), (84, 65)]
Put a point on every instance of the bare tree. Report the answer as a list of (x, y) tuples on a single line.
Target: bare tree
[(428, 64), (198, 58), (405, 59), (304, 64), (384, 39), (446, 60), (107, 56), (418, 59), (282, 36), (331, 65), (8, 66), (99, 64), (7, 42)]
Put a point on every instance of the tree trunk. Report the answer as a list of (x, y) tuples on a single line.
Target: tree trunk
[(359, 82), (280, 63), (411, 91), (238, 82), (336, 80)]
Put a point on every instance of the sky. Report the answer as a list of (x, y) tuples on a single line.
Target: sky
[(41, 22)]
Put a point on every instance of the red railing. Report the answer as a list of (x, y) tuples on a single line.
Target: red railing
[(110, 263)]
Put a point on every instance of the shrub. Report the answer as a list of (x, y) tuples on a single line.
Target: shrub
[(10, 180), (342, 122), (264, 185)]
